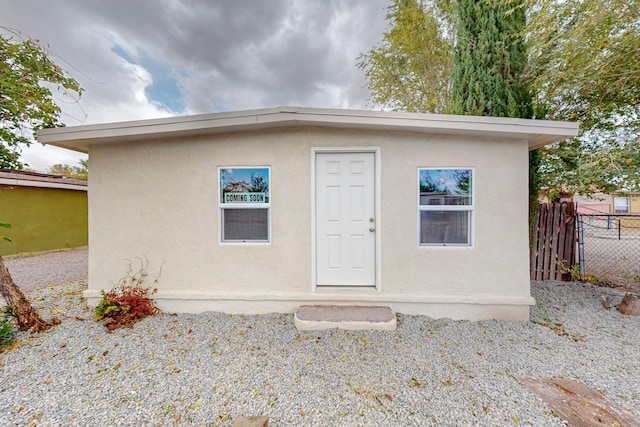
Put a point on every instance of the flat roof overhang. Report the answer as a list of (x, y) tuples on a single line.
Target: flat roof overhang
[(537, 133)]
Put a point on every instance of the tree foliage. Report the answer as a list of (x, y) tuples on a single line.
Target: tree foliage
[(584, 60), (582, 65), (81, 172), (27, 78), (410, 69), (259, 184), (598, 161), (489, 61)]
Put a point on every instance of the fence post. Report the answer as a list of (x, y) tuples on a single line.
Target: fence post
[(619, 228), (581, 245)]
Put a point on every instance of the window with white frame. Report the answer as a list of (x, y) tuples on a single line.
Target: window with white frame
[(445, 206), (621, 205), (245, 208)]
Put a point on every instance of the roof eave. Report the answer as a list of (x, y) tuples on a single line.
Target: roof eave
[(537, 132)]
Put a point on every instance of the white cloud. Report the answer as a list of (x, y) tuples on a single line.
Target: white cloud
[(224, 56), (40, 157)]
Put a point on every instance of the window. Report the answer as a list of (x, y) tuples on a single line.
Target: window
[(621, 205), (245, 208), (445, 207)]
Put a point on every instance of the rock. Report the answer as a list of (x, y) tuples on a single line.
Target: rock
[(255, 421), (605, 302), (630, 304)]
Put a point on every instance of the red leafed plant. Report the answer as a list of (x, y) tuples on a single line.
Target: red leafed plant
[(129, 301)]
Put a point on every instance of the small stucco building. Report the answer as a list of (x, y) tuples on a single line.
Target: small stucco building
[(45, 212), (266, 210)]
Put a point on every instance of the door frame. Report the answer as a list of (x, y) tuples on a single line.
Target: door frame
[(376, 151)]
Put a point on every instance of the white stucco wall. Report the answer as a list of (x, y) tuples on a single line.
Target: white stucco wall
[(159, 199)]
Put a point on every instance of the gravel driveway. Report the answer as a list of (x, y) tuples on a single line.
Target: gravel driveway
[(30, 272), (208, 369)]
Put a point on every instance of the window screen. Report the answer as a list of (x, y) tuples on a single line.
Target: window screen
[(444, 227), (245, 224)]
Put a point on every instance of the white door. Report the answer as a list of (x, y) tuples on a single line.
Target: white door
[(345, 219)]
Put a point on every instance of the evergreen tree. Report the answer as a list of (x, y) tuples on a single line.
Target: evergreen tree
[(489, 62), (582, 66)]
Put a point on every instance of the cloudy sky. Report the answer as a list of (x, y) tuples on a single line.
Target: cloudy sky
[(156, 58)]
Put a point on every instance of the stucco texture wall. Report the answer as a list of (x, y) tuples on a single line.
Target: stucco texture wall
[(42, 219), (634, 202), (159, 200)]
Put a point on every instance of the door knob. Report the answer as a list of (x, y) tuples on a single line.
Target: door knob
[(372, 229)]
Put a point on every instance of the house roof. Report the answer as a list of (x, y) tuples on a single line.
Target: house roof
[(15, 178), (536, 132)]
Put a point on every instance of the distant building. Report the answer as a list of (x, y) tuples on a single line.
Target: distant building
[(625, 202), (618, 203), (45, 211)]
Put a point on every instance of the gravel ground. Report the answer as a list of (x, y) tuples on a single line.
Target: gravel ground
[(613, 260), (42, 269), (613, 257), (207, 369)]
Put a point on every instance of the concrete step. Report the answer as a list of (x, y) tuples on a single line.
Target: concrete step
[(352, 317)]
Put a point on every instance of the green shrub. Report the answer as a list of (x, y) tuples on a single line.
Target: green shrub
[(7, 331)]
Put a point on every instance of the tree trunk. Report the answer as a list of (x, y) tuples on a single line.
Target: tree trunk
[(630, 305), (27, 316)]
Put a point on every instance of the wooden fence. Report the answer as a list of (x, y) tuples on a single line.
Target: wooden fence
[(553, 241)]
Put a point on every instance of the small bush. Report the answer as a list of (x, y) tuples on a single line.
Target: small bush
[(588, 277), (128, 302), (7, 332)]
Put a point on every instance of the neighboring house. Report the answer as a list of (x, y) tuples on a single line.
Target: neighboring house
[(45, 211), (595, 205), (625, 203), (618, 203), (335, 209)]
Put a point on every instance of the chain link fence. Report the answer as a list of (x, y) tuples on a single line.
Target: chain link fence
[(609, 248)]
